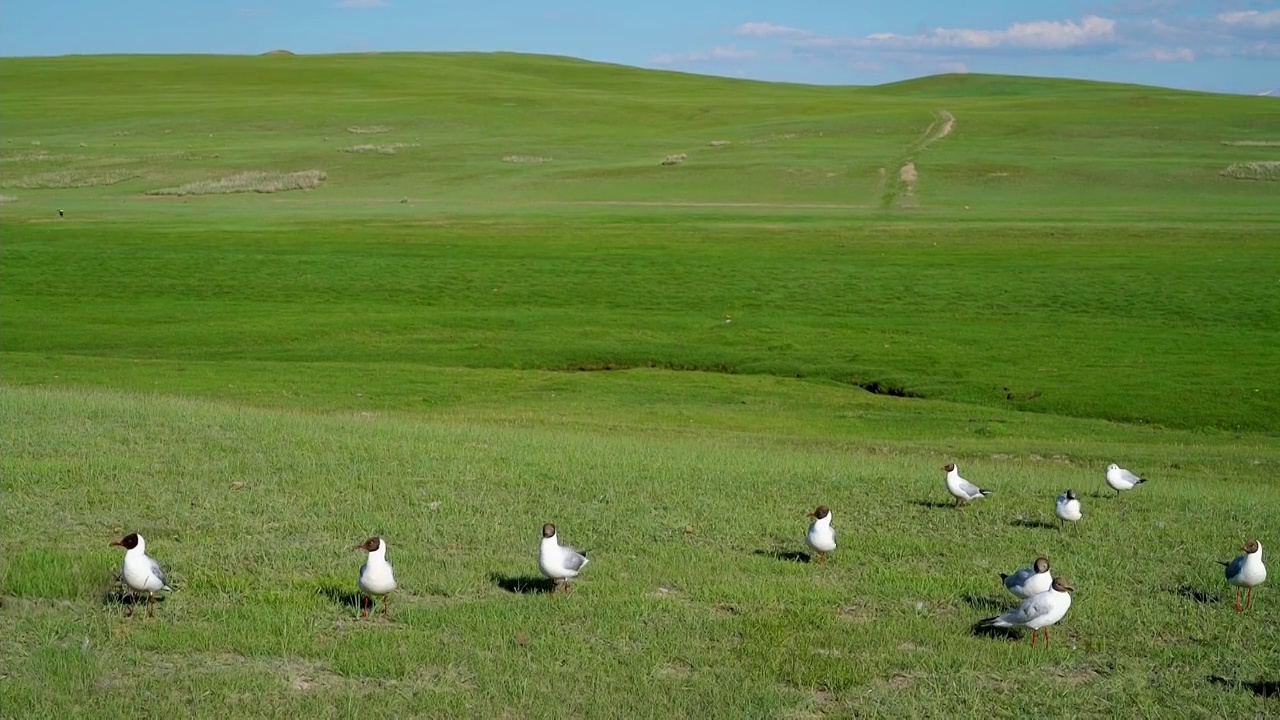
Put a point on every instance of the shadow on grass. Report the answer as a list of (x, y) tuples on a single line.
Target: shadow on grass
[(339, 596), (1264, 688), (522, 584), (1041, 524), (1194, 594), (117, 596), (988, 603), (785, 555), (979, 629), (932, 504)]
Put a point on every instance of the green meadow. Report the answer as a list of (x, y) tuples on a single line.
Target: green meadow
[(258, 309)]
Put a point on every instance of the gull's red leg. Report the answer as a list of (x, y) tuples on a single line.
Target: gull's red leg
[(1238, 607), (1033, 637), (1249, 604), (1046, 636), (151, 605)]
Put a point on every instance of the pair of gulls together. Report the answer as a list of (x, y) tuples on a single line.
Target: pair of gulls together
[(1067, 509), (560, 563), (142, 574)]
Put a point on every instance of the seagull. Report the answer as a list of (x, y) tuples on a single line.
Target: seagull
[(1120, 479), (1068, 508), (1029, 580), (821, 536), (1038, 611), (59, 212), (962, 489), (559, 562), (376, 577), (141, 573), (1246, 571)]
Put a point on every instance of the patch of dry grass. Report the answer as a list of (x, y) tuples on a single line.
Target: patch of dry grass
[(1255, 170), (33, 156), (1252, 143), (8, 199), (676, 159), (63, 179), (525, 159), (390, 149), (256, 181), (369, 129)]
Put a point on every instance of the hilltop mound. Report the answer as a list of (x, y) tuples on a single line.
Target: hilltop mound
[(279, 52)]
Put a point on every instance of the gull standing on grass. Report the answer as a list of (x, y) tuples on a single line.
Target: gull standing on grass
[(1120, 479), (376, 577), (1038, 611), (962, 490), (141, 573), (559, 562), (821, 536), (1029, 580), (1246, 571), (1068, 508)]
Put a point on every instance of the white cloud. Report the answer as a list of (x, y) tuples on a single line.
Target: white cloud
[(1166, 55), (765, 30), (362, 4), (1252, 19), (724, 53), (953, 67), (1036, 35)]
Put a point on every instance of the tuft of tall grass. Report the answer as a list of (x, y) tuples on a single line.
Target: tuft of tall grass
[(390, 149), (1254, 170), (64, 179), (256, 181), (369, 129)]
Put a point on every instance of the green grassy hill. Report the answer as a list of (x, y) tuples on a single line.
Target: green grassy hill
[(492, 305)]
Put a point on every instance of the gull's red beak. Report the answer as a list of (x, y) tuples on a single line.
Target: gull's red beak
[(1242, 548), (117, 543), (811, 515)]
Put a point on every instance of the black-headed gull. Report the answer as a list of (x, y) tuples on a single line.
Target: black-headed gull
[(376, 578), (962, 490), (821, 536), (559, 562), (141, 573), (1246, 571), (1068, 508), (1038, 611), (1120, 479), (1029, 580)]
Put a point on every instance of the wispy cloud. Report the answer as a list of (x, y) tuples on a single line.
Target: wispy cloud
[(1037, 35), (953, 67), (725, 53), (1253, 19), (766, 30), (362, 4), (1168, 55)]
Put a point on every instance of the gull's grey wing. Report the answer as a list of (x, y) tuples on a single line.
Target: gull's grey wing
[(969, 488), (1235, 566), (1129, 477), (1019, 577), (573, 559), (155, 570), (1030, 609)]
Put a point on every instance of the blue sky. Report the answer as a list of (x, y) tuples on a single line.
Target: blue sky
[(1218, 45)]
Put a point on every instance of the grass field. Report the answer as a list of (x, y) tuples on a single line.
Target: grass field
[(520, 316)]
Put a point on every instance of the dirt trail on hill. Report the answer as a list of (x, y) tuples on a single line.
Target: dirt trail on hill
[(900, 187)]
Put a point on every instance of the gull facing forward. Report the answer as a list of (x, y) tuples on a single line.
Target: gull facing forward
[(376, 577), (559, 562), (821, 536)]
